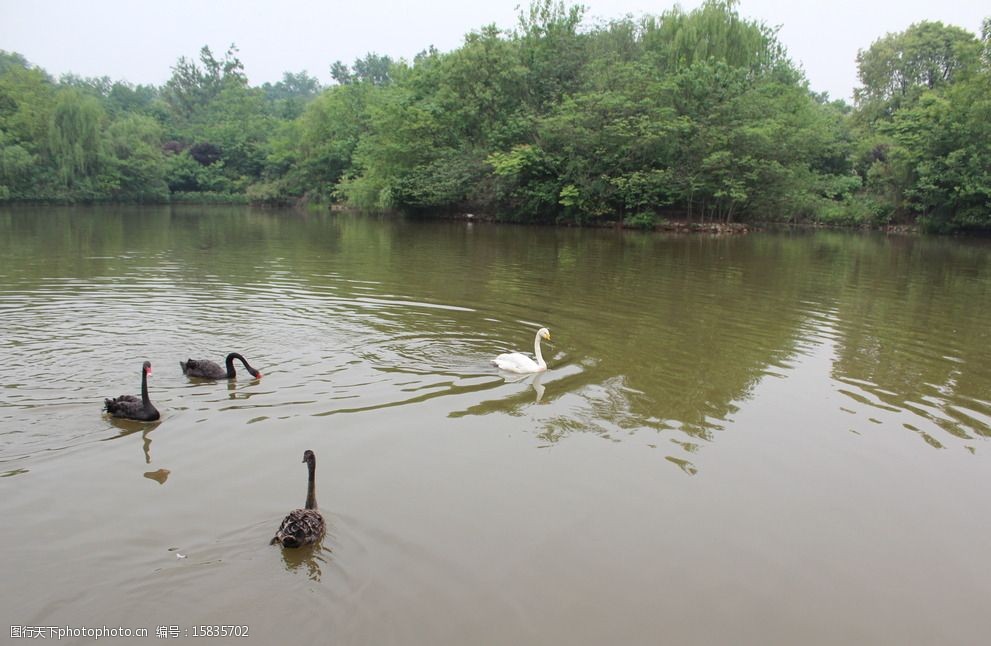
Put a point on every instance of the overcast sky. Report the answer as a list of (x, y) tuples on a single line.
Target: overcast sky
[(139, 40)]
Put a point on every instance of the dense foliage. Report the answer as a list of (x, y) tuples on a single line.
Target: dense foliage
[(697, 115), (924, 113)]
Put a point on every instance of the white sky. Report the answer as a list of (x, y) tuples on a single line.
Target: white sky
[(140, 40)]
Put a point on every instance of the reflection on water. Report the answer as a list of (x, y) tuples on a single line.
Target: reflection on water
[(308, 560), (682, 464), (658, 334), (158, 475), (126, 427), (232, 392), (537, 383), (700, 391)]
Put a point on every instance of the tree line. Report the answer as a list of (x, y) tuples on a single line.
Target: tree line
[(696, 115)]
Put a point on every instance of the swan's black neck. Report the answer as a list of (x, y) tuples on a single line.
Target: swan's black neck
[(230, 365), (311, 487), (145, 400)]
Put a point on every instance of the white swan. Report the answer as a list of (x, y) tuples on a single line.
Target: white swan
[(519, 362)]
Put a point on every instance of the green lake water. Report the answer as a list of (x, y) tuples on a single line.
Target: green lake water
[(776, 438)]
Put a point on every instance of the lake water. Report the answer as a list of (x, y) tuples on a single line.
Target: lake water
[(776, 438)]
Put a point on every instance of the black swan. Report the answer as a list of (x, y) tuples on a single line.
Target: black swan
[(303, 526), (132, 407), (210, 370)]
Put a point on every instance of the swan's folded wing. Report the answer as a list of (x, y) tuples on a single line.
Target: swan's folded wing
[(300, 527), (515, 362)]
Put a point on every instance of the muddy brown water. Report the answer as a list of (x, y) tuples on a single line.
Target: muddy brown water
[(776, 438)]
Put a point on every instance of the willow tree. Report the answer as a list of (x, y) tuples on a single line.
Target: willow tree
[(713, 32), (74, 137)]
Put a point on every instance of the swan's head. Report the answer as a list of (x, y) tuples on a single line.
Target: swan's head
[(254, 373), (544, 333), (146, 367), (309, 457)]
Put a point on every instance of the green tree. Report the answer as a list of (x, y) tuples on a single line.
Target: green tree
[(373, 68), (713, 32), (923, 112), (74, 141), (192, 87), (17, 169), (125, 98), (136, 163), (551, 50), (12, 60), (313, 153), (217, 121), (27, 97), (942, 156), (896, 69), (289, 96), (238, 123)]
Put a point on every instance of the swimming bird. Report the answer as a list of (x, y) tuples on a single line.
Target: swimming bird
[(303, 526), (209, 370), (521, 363), (130, 406)]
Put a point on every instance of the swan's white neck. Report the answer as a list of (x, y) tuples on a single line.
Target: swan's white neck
[(536, 351)]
